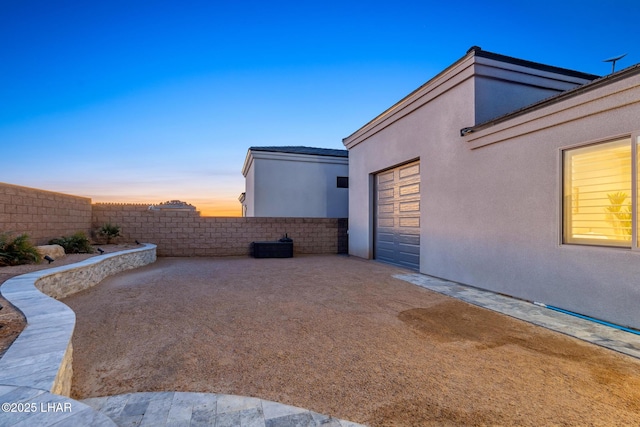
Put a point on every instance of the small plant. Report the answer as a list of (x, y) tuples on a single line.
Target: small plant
[(17, 250), (109, 231), (77, 243), (619, 214)]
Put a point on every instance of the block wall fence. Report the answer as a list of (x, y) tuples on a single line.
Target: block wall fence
[(186, 233), (45, 215)]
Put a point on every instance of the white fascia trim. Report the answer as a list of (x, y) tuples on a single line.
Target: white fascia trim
[(248, 161), (293, 157)]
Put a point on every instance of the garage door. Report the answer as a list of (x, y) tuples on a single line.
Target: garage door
[(397, 216)]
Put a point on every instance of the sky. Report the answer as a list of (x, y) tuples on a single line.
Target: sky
[(142, 101)]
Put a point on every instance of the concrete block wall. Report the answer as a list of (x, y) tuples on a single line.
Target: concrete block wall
[(43, 215), (186, 233)]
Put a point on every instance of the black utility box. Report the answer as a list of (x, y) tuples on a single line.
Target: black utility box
[(272, 249)]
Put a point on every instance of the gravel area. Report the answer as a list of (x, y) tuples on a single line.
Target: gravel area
[(340, 336)]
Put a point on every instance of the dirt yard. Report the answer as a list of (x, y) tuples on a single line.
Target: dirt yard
[(12, 321), (339, 336)]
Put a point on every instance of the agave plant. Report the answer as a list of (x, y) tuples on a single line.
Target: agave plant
[(109, 231)]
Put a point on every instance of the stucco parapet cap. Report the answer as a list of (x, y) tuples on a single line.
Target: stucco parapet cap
[(459, 67), (303, 150), (602, 81), (531, 64)]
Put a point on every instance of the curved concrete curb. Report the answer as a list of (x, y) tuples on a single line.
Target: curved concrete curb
[(41, 356)]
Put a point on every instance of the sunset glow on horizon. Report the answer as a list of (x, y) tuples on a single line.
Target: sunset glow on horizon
[(145, 102)]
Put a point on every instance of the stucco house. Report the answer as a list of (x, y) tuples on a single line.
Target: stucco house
[(511, 176), (295, 181)]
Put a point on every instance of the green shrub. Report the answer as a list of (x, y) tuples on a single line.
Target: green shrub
[(17, 250), (77, 243), (109, 231)]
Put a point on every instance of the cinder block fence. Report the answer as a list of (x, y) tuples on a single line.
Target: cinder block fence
[(186, 233), (45, 215)]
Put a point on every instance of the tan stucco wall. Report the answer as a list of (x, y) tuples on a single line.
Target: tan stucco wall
[(513, 243), (490, 202)]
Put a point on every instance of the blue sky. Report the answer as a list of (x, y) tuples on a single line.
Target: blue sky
[(147, 101)]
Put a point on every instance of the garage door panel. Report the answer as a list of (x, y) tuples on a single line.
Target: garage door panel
[(386, 177), (408, 239), (385, 194), (397, 235), (409, 222), (409, 189), (386, 240), (412, 206), (386, 222), (410, 170), (405, 248), (386, 208), (407, 260)]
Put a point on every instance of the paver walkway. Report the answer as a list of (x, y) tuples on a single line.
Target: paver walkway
[(206, 409), (33, 407), (586, 330)]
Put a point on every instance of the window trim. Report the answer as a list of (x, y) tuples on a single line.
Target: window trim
[(635, 203)]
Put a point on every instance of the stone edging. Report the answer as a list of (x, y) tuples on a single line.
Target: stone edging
[(41, 356)]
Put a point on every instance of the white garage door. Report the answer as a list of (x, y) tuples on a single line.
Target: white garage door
[(397, 216)]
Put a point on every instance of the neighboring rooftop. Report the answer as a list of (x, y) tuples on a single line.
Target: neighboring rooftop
[(299, 149)]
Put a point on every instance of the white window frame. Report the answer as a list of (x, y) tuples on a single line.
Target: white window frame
[(635, 203)]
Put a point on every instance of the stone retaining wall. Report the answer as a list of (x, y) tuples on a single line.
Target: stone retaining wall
[(41, 357), (68, 281)]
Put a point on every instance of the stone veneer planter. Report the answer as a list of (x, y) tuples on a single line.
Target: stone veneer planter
[(41, 356)]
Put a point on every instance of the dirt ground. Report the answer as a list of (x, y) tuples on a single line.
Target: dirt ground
[(12, 322), (339, 336)]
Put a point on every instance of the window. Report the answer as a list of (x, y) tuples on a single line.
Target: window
[(598, 203), (342, 182)]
